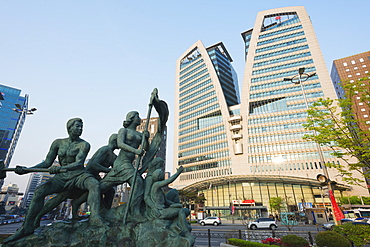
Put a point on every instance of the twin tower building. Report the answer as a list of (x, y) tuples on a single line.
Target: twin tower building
[(242, 149)]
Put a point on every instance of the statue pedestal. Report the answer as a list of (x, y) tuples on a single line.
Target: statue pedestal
[(151, 233)]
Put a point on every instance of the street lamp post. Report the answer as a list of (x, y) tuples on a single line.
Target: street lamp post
[(299, 79), (23, 110)]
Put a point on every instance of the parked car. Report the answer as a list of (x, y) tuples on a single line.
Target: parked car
[(263, 223), (328, 226), (210, 221)]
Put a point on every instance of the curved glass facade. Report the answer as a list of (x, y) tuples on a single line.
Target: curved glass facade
[(251, 147)]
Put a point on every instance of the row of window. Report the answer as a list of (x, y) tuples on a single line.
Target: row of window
[(278, 127), (261, 193), (281, 52), (281, 104), (205, 174), (278, 106), (200, 134), (288, 36), (204, 141), (200, 112), (282, 147), (284, 90), (282, 59), (282, 24), (184, 125), (354, 62), (273, 47), (212, 119), (191, 58), (280, 75), (221, 163), (278, 137), (289, 157), (216, 155), (192, 71), (283, 66), (355, 68), (192, 78), (204, 96), (204, 122), (204, 149), (218, 57), (191, 66), (200, 105), (197, 86), (278, 84), (278, 118), (281, 31), (290, 167)]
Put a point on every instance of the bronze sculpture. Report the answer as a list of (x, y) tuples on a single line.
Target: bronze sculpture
[(71, 153), (154, 219)]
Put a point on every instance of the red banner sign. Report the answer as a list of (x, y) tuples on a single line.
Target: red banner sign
[(338, 214), (244, 202)]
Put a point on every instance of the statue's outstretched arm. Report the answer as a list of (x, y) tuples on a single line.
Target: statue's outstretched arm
[(171, 179), (97, 164)]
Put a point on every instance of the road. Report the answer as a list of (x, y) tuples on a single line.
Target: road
[(11, 228), (200, 231)]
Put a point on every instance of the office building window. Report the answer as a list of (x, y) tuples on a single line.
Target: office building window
[(345, 64), (361, 60), (353, 62)]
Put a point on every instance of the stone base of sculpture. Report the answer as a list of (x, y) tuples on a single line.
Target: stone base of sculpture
[(157, 232)]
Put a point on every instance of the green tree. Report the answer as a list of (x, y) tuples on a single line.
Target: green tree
[(189, 198), (357, 234), (354, 200), (343, 131), (276, 204)]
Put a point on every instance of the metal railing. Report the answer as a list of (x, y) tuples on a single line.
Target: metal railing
[(252, 235)]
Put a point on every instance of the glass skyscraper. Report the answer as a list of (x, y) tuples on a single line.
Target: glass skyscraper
[(250, 149), (9, 121), (206, 87)]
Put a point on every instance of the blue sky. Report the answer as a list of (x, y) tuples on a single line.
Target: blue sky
[(99, 60)]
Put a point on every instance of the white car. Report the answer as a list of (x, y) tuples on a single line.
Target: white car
[(210, 221), (263, 223)]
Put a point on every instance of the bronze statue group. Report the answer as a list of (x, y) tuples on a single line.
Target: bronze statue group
[(83, 184)]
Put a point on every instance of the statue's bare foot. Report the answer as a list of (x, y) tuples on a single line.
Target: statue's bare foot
[(18, 235), (97, 221)]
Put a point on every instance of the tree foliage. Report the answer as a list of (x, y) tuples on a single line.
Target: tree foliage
[(331, 239), (191, 197), (338, 124), (354, 200), (276, 204), (357, 234)]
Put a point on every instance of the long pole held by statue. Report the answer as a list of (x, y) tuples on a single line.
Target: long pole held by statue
[(140, 157)]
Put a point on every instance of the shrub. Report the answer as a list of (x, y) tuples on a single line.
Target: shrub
[(243, 243), (331, 239), (357, 234), (294, 241)]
